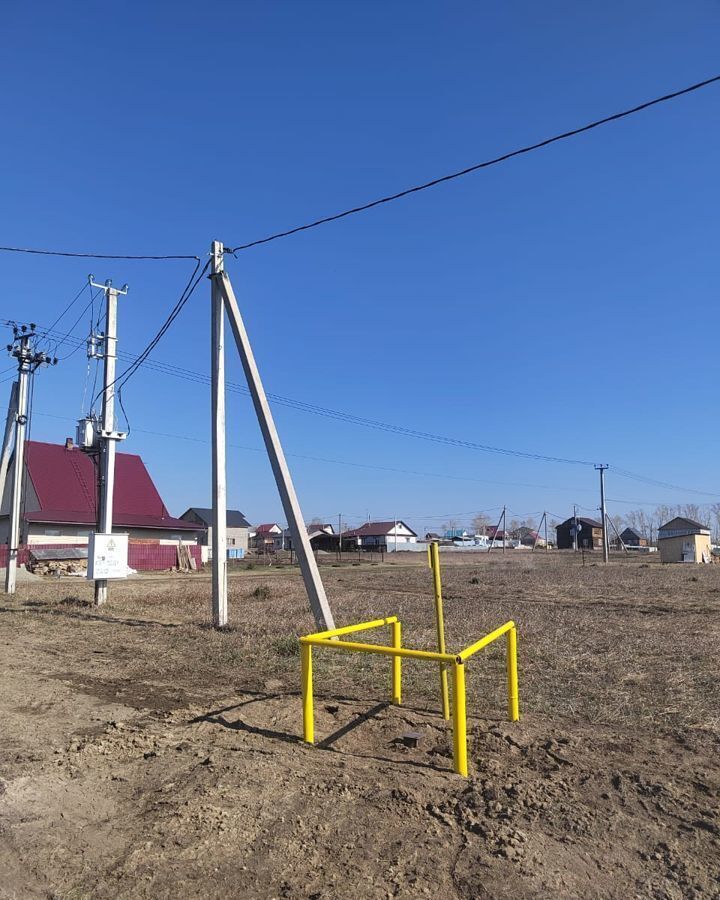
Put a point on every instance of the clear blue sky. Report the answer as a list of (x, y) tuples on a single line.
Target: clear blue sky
[(469, 310)]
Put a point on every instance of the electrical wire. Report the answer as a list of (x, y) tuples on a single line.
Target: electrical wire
[(482, 165), (301, 406), (68, 307), (95, 255), (193, 282)]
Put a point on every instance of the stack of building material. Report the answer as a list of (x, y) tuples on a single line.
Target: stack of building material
[(58, 561)]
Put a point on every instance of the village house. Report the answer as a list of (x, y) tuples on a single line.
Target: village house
[(321, 536), (632, 538), (388, 536), (238, 529), (267, 538), (60, 505), (589, 534), (684, 540), (527, 537)]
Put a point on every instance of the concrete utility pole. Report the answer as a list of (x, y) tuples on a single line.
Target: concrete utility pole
[(108, 436), (28, 361), (575, 539), (219, 479), (603, 513), (308, 564), (7, 438)]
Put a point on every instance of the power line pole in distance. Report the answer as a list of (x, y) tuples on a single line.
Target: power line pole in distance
[(603, 512), (29, 359), (108, 436)]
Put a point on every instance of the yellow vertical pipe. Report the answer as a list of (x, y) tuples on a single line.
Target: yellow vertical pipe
[(397, 664), (307, 693), (512, 676), (460, 720), (434, 551)]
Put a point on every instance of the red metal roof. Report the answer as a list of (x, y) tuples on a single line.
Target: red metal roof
[(65, 483), (266, 528)]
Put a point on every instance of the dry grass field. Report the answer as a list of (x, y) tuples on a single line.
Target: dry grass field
[(144, 754)]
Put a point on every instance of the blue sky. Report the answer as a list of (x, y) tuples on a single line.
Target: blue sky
[(470, 310)]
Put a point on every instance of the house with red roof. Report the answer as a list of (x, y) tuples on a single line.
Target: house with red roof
[(268, 537), (60, 504)]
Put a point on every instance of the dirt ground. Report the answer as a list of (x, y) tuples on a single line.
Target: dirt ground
[(144, 754)]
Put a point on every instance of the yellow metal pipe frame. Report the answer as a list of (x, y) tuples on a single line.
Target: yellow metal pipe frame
[(398, 653), (351, 629), (381, 649), (483, 642), (459, 720), (307, 693), (396, 631), (434, 551)]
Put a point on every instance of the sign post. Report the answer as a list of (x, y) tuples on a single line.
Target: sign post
[(107, 556)]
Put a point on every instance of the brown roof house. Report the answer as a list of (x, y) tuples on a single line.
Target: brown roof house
[(589, 534), (390, 536), (684, 540)]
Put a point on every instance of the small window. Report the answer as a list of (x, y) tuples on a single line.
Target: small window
[(231, 542), (52, 532)]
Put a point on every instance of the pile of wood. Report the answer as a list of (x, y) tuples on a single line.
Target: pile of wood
[(59, 567), (63, 561), (186, 562)]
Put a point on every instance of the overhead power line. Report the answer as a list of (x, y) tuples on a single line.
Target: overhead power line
[(301, 406), (482, 165), (83, 255), (574, 132)]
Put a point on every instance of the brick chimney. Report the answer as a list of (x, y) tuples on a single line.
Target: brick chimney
[(68, 443)]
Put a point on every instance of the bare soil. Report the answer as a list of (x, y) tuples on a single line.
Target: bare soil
[(144, 754)]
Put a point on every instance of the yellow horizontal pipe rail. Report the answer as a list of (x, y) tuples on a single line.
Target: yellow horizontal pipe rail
[(483, 642), (349, 629), (377, 648)]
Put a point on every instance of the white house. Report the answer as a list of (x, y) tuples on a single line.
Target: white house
[(386, 535)]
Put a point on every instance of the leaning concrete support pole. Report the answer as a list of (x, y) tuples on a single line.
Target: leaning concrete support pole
[(8, 438), (308, 566)]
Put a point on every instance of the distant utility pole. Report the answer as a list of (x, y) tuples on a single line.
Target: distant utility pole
[(603, 512), (574, 530), (29, 359), (340, 534), (108, 436)]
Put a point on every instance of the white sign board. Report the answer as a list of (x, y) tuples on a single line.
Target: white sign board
[(107, 556)]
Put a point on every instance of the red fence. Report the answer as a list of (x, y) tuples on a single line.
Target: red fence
[(143, 557)]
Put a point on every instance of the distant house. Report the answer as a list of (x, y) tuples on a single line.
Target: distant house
[(321, 537), (268, 537), (375, 535), (238, 527), (632, 538), (496, 534), (60, 504), (527, 536), (433, 536), (684, 540), (589, 534)]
